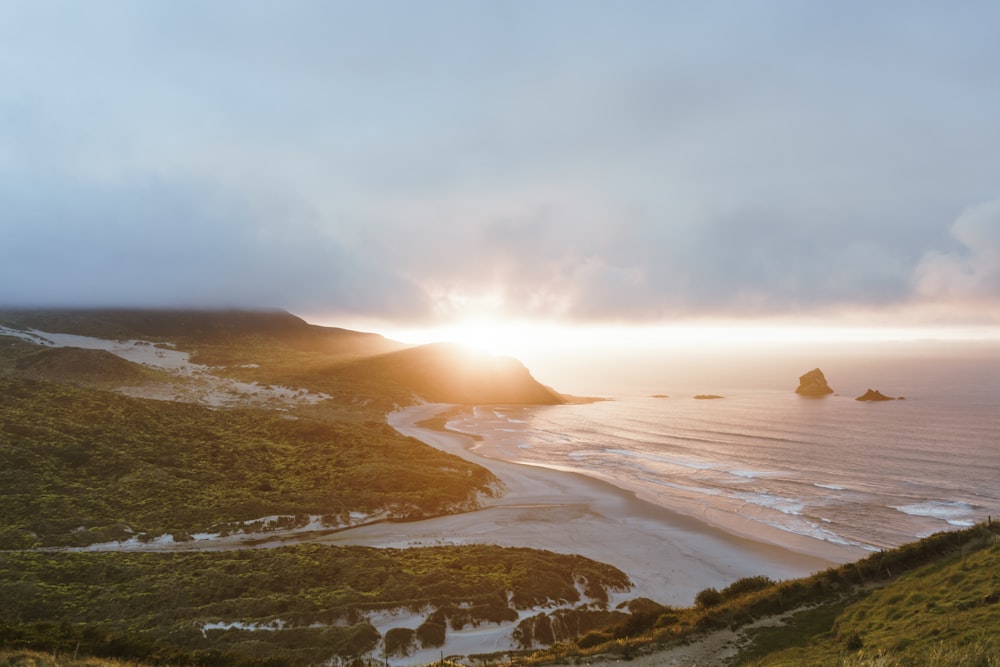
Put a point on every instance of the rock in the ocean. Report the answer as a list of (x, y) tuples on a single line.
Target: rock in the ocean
[(874, 395), (813, 383)]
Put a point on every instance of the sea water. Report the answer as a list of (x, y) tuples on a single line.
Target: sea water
[(868, 475)]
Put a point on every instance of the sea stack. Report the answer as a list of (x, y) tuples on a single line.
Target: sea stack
[(874, 395), (813, 383)]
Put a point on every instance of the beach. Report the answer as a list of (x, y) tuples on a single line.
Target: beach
[(670, 557)]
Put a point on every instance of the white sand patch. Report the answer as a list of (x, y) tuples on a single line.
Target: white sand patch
[(389, 619), (196, 382), (238, 534), (273, 626), (469, 641)]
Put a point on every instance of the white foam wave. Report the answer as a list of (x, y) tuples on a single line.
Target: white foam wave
[(945, 510), (784, 505), (684, 463)]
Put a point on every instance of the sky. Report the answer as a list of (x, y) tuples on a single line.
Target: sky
[(419, 164)]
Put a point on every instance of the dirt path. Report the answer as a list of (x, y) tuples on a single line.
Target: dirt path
[(711, 649)]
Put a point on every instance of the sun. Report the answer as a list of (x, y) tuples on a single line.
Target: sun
[(494, 336)]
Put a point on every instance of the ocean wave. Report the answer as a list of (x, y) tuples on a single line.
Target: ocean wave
[(945, 510), (701, 490), (684, 463), (791, 506)]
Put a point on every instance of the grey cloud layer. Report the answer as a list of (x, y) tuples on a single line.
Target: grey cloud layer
[(572, 159)]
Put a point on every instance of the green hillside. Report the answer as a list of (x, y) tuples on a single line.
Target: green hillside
[(316, 601), (943, 613), (95, 368), (275, 347), (81, 465), (440, 373), (931, 602)]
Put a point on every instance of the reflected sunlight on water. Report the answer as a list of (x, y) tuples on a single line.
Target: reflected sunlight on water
[(867, 474)]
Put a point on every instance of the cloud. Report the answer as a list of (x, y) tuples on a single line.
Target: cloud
[(971, 271), (156, 242), (557, 159)]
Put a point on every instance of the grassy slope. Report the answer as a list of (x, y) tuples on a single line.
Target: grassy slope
[(276, 347), (906, 606), (28, 658), (933, 602), (943, 613), (445, 373), (156, 604), (81, 464), (85, 465), (73, 459)]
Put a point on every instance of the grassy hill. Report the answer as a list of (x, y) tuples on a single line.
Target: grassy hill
[(931, 602), (316, 601), (946, 612), (442, 372), (208, 328), (95, 368), (80, 463), (275, 347)]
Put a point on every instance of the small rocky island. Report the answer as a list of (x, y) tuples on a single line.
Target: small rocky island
[(874, 395), (813, 383)]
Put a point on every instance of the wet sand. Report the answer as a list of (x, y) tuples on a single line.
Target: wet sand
[(669, 556)]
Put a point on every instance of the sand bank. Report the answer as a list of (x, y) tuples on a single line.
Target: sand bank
[(669, 556)]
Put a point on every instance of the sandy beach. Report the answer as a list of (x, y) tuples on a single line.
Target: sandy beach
[(669, 556)]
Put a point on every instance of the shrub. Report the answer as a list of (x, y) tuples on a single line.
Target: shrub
[(431, 635), (636, 624), (359, 639), (746, 585), (399, 641), (708, 597), (594, 638)]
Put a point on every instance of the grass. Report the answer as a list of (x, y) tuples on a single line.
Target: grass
[(944, 613), (24, 658), (930, 602), (80, 465), (155, 606)]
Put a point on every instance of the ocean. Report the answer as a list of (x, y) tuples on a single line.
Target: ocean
[(866, 475)]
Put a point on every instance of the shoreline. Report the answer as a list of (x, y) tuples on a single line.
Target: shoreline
[(493, 446), (669, 556)]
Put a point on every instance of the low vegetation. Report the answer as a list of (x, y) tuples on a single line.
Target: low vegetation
[(79, 466), (307, 602), (943, 613), (932, 602), (360, 370)]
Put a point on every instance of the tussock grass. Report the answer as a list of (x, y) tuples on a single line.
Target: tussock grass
[(10, 658), (931, 602)]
